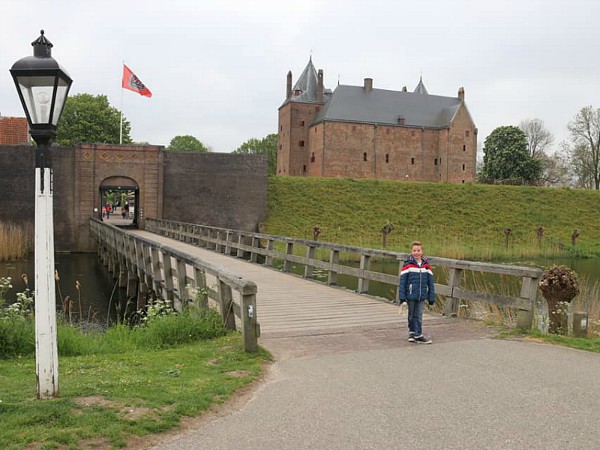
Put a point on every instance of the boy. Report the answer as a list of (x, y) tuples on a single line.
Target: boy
[(416, 286)]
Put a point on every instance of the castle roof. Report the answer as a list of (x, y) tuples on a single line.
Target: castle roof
[(381, 106), (306, 85)]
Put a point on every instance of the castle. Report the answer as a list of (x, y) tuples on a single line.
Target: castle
[(364, 132)]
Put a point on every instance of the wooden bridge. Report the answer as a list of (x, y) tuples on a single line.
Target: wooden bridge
[(235, 271)]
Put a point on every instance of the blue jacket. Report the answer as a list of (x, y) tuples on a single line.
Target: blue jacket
[(416, 282)]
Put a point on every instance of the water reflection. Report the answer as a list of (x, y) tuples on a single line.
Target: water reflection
[(96, 286)]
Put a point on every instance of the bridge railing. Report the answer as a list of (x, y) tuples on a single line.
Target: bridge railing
[(285, 250), (142, 266)]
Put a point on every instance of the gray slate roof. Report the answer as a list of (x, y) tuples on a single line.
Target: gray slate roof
[(381, 106)]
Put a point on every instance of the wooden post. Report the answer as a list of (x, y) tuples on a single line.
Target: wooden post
[(363, 283), (226, 306), (240, 252), (269, 258), (529, 289), (250, 331), (455, 280), (289, 250), (310, 255), (200, 282), (253, 254), (157, 280), (228, 243), (334, 259), (182, 286), (169, 285)]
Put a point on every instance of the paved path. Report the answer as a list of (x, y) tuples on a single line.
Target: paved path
[(364, 387)]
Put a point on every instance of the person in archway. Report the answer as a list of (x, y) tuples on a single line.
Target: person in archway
[(108, 209), (416, 287)]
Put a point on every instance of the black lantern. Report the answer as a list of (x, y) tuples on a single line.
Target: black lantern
[(43, 87)]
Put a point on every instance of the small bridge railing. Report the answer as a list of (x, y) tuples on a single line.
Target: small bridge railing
[(142, 265), (252, 245)]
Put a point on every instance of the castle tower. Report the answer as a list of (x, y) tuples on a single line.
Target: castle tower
[(297, 112)]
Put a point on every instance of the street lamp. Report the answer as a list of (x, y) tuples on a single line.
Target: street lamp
[(43, 87)]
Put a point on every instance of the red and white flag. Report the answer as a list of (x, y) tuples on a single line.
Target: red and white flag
[(133, 83)]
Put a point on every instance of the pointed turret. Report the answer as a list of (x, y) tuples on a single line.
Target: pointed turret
[(421, 89)]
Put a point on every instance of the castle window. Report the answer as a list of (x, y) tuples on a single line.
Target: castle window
[(304, 168), (467, 133), (302, 123), (464, 148), (435, 162), (297, 92), (280, 146), (463, 181), (412, 161), (312, 158), (280, 127), (301, 143), (364, 156), (463, 167), (387, 157)]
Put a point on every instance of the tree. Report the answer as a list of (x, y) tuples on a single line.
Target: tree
[(265, 146), (506, 157), (88, 118), (538, 137), (585, 150), (186, 143)]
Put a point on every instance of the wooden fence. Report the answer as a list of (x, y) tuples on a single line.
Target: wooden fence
[(285, 250), (144, 267)]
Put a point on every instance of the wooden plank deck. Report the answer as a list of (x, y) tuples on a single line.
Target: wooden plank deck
[(290, 305)]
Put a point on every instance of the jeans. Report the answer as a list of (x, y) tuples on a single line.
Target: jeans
[(415, 316)]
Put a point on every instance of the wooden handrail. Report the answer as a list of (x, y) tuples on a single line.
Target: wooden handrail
[(244, 243), (169, 272)]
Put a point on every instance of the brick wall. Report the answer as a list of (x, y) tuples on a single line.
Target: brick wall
[(14, 131), (211, 188)]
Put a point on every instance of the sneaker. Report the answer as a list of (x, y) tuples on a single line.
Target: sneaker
[(422, 339), (411, 337)]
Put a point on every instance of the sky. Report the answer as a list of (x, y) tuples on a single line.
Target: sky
[(217, 69)]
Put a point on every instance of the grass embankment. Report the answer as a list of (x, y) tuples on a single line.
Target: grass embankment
[(120, 384), (465, 221)]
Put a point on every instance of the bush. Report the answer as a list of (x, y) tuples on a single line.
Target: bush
[(17, 337)]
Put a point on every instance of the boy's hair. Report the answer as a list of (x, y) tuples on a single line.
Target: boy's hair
[(416, 243)]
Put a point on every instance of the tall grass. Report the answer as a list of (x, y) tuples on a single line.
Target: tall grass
[(465, 221), (15, 241)]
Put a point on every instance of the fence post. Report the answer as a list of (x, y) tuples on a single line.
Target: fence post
[(250, 331), (363, 283), (454, 281), (269, 258), (255, 244), (226, 306), (310, 255), (289, 250), (200, 282), (529, 289), (334, 259)]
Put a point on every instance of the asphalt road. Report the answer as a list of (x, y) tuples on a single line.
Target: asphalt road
[(375, 391)]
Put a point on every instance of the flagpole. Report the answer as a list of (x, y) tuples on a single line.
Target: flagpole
[(121, 118)]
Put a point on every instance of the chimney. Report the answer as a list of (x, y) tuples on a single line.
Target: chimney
[(400, 120), (404, 89), (320, 86), (461, 94), (368, 85), (288, 91)]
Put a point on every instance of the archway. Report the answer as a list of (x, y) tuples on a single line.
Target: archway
[(118, 201)]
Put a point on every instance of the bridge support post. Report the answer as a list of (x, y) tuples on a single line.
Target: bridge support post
[(529, 290), (310, 255), (454, 281), (253, 254), (269, 258), (289, 250), (200, 281), (334, 259), (226, 306), (363, 283), (250, 330)]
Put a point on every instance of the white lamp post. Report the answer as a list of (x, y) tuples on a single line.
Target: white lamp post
[(43, 87)]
